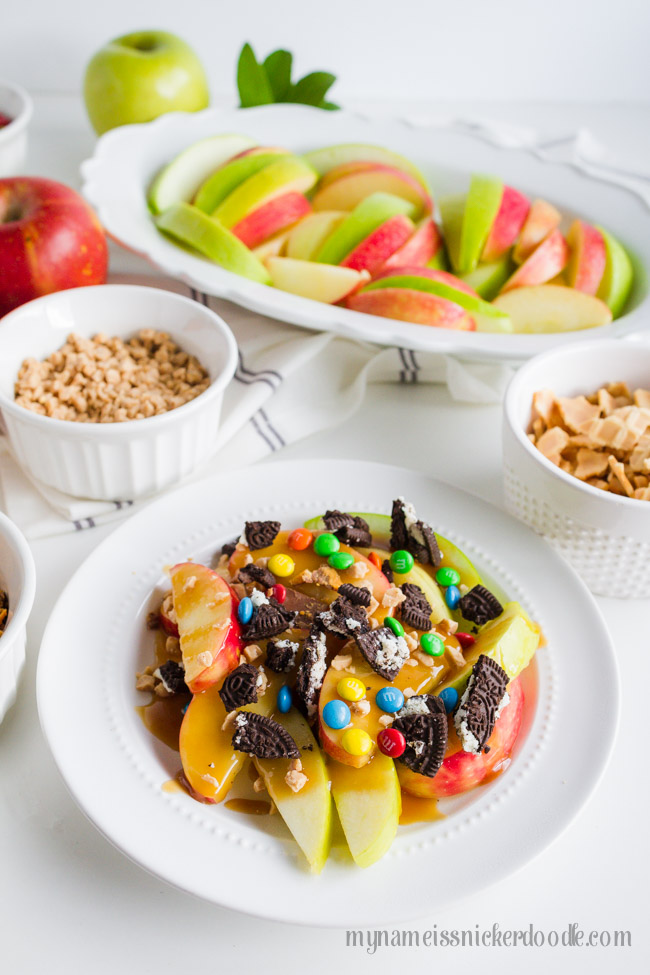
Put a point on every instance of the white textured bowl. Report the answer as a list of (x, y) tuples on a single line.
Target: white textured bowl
[(18, 580), (115, 461), (16, 103), (605, 537)]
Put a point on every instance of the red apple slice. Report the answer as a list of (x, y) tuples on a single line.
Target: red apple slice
[(168, 619), (421, 247), (508, 223), (541, 220), (371, 253), (271, 217), (543, 265), (206, 611), (434, 274), (408, 305), (343, 187), (588, 257)]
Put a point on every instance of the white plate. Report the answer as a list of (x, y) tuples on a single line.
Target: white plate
[(97, 638), (126, 160)]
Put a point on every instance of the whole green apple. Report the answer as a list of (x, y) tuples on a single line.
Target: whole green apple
[(137, 77)]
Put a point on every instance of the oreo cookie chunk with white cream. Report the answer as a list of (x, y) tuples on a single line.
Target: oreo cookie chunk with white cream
[(484, 699)]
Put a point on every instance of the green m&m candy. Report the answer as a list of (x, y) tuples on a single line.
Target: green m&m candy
[(432, 644), (447, 577), (326, 544), (341, 560), (394, 625), (401, 561)]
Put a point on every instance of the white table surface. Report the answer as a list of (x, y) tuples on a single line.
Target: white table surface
[(69, 902)]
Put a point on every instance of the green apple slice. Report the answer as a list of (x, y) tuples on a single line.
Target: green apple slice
[(220, 184), (467, 222), (285, 175), (307, 813), (332, 156), (196, 229), (487, 317), (615, 287), (365, 218), (308, 236), (488, 279), (179, 181), (369, 802)]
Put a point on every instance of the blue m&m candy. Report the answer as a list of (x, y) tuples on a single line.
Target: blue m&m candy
[(389, 699), (452, 596), (336, 714), (449, 698), (284, 699), (245, 610)]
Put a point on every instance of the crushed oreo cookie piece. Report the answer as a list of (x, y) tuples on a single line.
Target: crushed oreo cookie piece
[(385, 652), (250, 574), (429, 544), (311, 672), (270, 619), (416, 610), (261, 534), (240, 687), (343, 618), (172, 674), (479, 605), (425, 727), (358, 595), (484, 698), (388, 572), (354, 535), (306, 608), (263, 737), (414, 535), (229, 548), (399, 537), (335, 519), (281, 655)]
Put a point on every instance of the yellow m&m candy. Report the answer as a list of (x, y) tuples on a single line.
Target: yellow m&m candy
[(356, 741), (351, 689), (281, 565)]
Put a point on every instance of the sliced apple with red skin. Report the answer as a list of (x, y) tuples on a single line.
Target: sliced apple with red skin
[(460, 770), (308, 236), (424, 244), (168, 619), (271, 218), (373, 251), (288, 175), (409, 305), (541, 220), (545, 263), (588, 256), (345, 186), (507, 226), (273, 247), (320, 282), (209, 632)]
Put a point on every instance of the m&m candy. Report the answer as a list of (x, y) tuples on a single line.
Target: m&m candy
[(452, 596), (432, 644), (447, 577), (341, 560), (401, 561), (449, 698), (389, 699), (300, 539), (281, 565), (336, 714), (466, 640), (394, 625), (391, 742), (356, 741), (279, 592), (245, 610), (376, 561), (351, 689), (326, 544), (284, 699)]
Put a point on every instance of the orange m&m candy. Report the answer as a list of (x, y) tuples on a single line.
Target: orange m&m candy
[(300, 539)]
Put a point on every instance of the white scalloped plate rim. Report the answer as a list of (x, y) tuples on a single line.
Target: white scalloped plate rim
[(115, 180), (214, 853)]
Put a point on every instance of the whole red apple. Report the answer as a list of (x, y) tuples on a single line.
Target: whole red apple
[(50, 240)]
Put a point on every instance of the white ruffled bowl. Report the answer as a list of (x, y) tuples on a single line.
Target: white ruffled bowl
[(115, 461), (18, 580), (604, 536), (16, 103)]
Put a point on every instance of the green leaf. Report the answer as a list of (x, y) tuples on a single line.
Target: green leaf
[(311, 89), (329, 106), (278, 71), (252, 82)]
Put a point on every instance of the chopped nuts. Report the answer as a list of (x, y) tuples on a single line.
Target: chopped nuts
[(342, 661), (252, 652), (295, 777), (360, 707), (393, 597)]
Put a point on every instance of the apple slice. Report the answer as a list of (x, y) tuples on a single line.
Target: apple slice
[(552, 308), (368, 801), (460, 770), (179, 181), (271, 217), (331, 157), (344, 187), (616, 283), (289, 174), (228, 177), (546, 261), (488, 279), (207, 624), (321, 282), (513, 210), (273, 247), (372, 252), (541, 220), (307, 813), (467, 222), (308, 236), (366, 217), (587, 257), (191, 226), (422, 247), (411, 305)]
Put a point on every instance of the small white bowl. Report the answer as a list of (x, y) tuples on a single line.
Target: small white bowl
[(115, 461), (18, 580), (16, 103), (604, 536)]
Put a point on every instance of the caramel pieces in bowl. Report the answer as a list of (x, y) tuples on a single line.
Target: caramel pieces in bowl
[(602, 439)]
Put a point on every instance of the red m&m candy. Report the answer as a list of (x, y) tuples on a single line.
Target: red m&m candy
[(279, 592), (466, 640), (391, 742)]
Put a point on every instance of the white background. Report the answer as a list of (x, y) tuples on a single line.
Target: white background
[(570, 50)]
